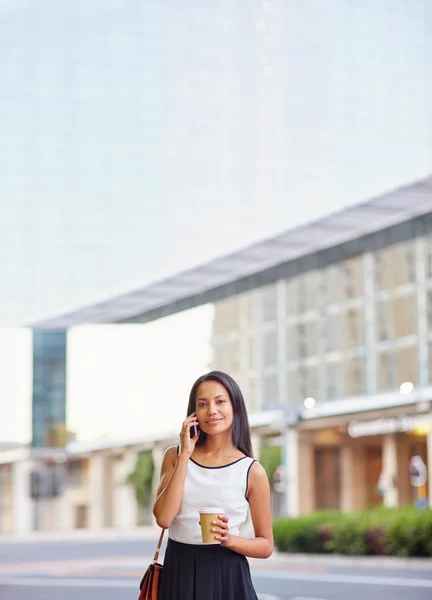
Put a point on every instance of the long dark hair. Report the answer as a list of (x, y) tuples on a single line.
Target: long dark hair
[(240, 428)]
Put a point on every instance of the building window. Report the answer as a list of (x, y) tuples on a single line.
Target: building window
[(269, 348), (428, 243), (331, 332), (227, 356), (269, 303), (292, 344), (353, 328), (293, 387), (302, 292), (226, 316), (396, 317), (270, 391), (333, 380), (430, 362), (302, 340), (429, 309), (395, 266), (254, 399), (252, 301), (75, 473), (253, 356), (307, 339), (386, 376), (353, 277), (334, 283), (355, 376), (308, 382), (407, 365)]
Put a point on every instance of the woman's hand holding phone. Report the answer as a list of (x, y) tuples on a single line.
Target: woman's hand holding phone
[(189, 435)]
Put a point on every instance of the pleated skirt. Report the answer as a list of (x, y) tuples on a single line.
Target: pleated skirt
[(209, 572)]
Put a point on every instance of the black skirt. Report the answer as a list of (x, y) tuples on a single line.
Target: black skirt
[(210, 572)]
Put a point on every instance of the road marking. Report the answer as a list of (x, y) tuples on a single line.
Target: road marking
[(324, 578), (85, 583), (306, 598), (340, 578), (67, 582), (71, 564)]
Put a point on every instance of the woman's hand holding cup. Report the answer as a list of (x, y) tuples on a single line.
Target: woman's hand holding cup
[(221, 530)]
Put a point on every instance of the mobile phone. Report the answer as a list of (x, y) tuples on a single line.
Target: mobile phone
[(193, 430)]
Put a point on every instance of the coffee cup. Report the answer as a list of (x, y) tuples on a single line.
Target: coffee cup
[(207, 516)]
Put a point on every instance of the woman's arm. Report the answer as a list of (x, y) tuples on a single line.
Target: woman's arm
[(173, 472), (258, 494)]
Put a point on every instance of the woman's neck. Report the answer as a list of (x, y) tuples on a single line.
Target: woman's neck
[(215, 445)]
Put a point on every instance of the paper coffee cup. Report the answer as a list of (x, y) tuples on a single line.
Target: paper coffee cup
[(207, 516)]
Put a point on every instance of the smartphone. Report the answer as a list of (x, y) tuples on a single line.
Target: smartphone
[(193, 430)]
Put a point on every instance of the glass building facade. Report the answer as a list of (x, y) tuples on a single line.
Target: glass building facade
[(350, 321), (49, 389), (120, 119)]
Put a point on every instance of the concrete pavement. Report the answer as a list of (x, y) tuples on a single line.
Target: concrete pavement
[(108, 565), (277, 560)]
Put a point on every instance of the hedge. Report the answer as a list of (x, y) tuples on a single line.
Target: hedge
[(396, 532)]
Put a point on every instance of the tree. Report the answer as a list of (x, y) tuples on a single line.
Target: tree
[(270, 458), (141, 478)]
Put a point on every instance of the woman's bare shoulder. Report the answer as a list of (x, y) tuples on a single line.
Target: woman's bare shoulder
[(171, 451), (257, 473)]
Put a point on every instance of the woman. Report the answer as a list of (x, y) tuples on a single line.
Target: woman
[(213, 466)]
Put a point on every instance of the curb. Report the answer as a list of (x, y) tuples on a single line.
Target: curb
[(340, 560), (83, 535), (283, 559)]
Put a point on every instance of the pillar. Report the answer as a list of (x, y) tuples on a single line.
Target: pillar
[(353, 478), (348, 477), (429, 465), (390, 465), (23, 505), (158, 453), (293, 483), (96, 489), (403, 479), (256, 444), (125, 507)]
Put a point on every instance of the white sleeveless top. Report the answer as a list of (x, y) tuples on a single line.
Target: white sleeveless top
[(224, 487)]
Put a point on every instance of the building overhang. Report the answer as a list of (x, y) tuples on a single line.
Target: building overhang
[(213, 280)]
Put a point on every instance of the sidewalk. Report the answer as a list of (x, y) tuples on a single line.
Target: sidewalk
[(277, 560), (339, 560), (150, 532)]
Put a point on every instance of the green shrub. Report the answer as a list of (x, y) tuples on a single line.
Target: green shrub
[(270, 458), (310, 533), (296, 535), (141, 478), (382, 531), (349, 536), (411, 533)]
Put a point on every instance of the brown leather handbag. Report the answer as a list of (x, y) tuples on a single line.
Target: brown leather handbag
[(150, 583)]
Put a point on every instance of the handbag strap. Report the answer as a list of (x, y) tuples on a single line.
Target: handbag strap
[(156, 556)]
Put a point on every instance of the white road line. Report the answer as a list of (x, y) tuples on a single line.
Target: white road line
[(340, 578), (89, 583), (67, 582), (306, 598), (309, 577)]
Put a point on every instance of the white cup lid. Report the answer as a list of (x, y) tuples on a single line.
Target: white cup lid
[(211, 511)]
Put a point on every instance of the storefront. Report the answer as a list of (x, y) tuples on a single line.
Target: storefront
[(359, 461)]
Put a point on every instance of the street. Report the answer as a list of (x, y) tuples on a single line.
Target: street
[(110, 569)]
